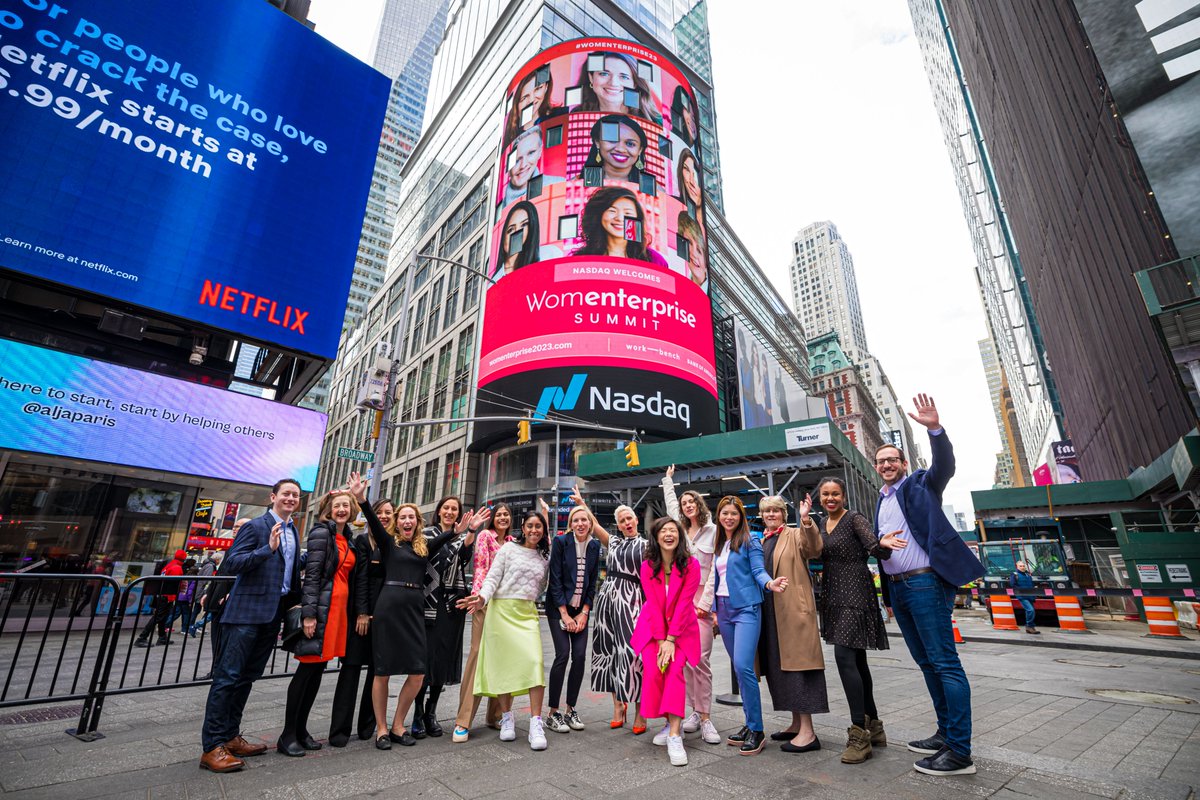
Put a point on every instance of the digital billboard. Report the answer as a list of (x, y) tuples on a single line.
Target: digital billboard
[(206, 160), (1150, 53), (600, 308), (62, 404), (769, 394)]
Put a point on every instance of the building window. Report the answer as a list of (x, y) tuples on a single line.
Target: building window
[(429, 493), (411, 485), (450, 481)]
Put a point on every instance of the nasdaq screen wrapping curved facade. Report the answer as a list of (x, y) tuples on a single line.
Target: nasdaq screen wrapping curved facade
[(211, 163), (600, 308)]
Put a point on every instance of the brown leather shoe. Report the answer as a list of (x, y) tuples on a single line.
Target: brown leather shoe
[(221, 760), (239, 747)]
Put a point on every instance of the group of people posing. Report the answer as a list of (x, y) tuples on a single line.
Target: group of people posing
[(395, 598)]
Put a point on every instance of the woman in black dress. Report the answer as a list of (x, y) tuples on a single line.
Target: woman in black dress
[(358, 647), (445, 584), (850, 619), (398, 635)]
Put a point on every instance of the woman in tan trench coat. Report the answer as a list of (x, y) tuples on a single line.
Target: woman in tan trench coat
[(789, 648)]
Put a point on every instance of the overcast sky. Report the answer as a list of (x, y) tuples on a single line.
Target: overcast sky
[(825, 113)]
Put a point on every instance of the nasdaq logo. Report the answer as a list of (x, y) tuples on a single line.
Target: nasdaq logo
[(559, 399)]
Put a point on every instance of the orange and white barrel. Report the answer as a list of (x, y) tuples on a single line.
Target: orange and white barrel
[(1070, 614), (1160, 614), (1003, 618)]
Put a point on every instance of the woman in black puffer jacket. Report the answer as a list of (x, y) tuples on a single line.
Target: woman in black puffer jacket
[(332, 576)]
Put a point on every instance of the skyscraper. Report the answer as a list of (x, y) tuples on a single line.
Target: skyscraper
[(1015, 334), (824, 288), (408, 36), (1011, 468), (447, 206), (1080, 209)]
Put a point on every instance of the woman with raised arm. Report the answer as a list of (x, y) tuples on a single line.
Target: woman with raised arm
[(445, 584), (700, 535), (667, 634), (618, 601), (333, 588), (740, 580), (789, 647), (850, 619), (399, 625), (487, 544), (510, 649)]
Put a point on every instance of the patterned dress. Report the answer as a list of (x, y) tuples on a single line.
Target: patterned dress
[(849, 610), (615, 666)]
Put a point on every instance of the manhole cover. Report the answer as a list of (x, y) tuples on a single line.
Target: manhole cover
[(1152, 698), (41, 715), (1081, 663)]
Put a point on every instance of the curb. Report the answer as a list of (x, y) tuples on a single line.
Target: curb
[(1073, 644)]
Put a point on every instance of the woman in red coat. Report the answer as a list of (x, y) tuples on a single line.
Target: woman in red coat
[(667, 634)]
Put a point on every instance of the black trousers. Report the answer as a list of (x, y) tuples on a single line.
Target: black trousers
[(301, 694), (162, 612), (856, 682), (567, 647), (344, 696)]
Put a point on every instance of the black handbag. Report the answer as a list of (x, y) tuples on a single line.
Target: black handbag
[(293, 629)]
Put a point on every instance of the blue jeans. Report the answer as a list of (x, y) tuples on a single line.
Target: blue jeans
[(739, 631), (922, 605), (1027, 604), (244, 653)]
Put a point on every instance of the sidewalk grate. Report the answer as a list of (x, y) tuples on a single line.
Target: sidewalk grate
[(1150, 698), (41, 715)]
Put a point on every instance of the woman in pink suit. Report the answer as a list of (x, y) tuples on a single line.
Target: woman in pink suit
[(667, 634)]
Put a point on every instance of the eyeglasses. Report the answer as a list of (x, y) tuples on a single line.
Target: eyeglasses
[(883, 462)]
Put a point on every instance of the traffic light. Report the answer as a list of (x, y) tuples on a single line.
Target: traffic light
[(631, 455), (523, 432)]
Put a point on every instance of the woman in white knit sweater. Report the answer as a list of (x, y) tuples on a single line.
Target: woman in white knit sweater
[(510, 649)]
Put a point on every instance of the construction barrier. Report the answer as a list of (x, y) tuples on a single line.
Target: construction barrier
[(1003, 617), (1160, 613), (958, 639), (1070, 614)]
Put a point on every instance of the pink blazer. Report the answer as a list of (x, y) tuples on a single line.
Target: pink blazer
[(672, 614)]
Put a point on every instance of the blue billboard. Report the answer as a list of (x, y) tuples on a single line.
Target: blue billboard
[(207, 160)]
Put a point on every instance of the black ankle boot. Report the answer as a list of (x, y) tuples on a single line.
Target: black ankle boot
[(417, 728), (432, 728)]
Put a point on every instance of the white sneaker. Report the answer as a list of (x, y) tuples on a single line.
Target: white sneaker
[(676, 751), (708, 732), (661, 737), (537, 735), (691, 723), (508, 728)]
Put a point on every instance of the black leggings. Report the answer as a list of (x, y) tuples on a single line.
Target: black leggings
[(301, 694), (572, 647), (421, 707), (856, 682)]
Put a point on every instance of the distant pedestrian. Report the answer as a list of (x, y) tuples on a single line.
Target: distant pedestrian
[(1021, 579), (265, 557), (165, 591), (925, 571)]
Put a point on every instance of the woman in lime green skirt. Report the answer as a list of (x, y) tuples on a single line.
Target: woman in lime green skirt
[(510, 649)]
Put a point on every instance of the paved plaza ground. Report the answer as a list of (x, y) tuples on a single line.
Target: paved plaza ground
[(1040, 732)]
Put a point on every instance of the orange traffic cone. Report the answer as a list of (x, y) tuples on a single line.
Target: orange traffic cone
[(1003, 617), (958, 639), (1160, 613), (1070, 614)]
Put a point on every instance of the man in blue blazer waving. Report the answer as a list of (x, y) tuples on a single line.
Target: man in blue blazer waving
[(923, 576), (265, 556)]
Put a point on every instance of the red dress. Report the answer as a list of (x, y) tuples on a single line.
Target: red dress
[(333, 644)]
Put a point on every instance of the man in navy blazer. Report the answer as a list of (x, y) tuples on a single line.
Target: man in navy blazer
[(265, 556), (923, 575)]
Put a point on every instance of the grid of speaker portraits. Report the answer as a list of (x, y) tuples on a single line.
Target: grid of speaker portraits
[(600, 159)]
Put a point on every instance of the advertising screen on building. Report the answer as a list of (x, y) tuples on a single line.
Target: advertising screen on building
[(1150, 53), (769, 394), (61, 404), (206, 160), (600, 310)]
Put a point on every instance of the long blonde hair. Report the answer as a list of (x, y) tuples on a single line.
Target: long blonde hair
[(418, 543)]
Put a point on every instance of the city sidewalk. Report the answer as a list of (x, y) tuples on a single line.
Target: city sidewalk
[(1106, 634), (1041, 731)]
